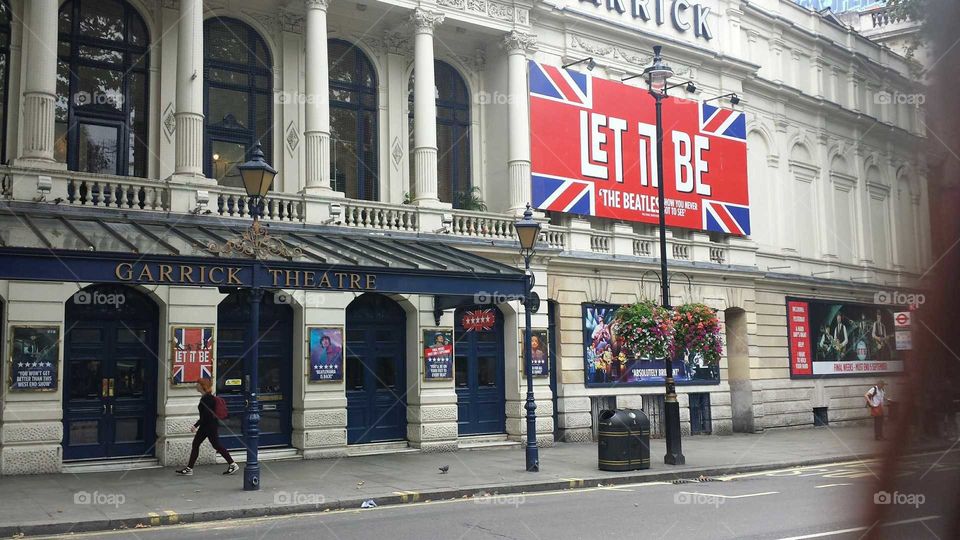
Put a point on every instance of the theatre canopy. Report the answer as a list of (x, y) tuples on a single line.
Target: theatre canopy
[(65, 244)]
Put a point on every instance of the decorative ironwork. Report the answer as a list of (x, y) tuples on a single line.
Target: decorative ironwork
[(255, 242)]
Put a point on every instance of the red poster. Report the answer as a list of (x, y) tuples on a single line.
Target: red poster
[(192, 354), (798, 324), (593, 152)]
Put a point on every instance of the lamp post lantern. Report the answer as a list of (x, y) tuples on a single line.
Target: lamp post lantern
[(657, 75), (257, 177), (528, 231)]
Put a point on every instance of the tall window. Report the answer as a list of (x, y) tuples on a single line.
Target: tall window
[(238, 97), (5, 16), (102, 76), (453, 137), (353, 122)]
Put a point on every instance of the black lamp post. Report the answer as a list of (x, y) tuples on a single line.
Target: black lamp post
[(528, 231), (257, 177), (657, 76)]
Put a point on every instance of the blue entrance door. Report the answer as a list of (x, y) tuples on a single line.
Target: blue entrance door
[(110, 374), (479, 374), (375, 375), (275, 365)]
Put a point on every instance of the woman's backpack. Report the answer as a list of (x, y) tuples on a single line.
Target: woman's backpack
[(220, 408)]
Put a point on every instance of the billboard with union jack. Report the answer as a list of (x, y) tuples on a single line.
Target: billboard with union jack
[(593, 153)]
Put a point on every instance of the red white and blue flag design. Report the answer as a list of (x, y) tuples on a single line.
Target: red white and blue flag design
[(192, 354), (593, 153)]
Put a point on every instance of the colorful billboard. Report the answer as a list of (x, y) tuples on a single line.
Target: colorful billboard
[(593, 153), (607, 363), (835, 339)]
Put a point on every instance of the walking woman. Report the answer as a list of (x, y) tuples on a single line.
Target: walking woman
[(206, 428)]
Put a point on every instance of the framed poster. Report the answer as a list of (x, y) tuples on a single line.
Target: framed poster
[(34, 358), (325, 346), (191, 354), (842, 339), (437, 354), (539, 352), (606, 363)]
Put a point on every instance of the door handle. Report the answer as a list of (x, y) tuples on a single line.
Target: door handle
[(105, 387), (112, 380), (104, 411)]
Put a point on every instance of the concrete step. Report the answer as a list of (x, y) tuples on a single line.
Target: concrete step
[(486, 442), (373, 449), (110, 465)]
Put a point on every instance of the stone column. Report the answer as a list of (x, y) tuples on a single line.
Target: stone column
[(40, 87), (317, 133), (424, 108), (518, 45), (189, 115)]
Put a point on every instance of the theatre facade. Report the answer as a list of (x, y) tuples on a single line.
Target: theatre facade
[(409, 138)]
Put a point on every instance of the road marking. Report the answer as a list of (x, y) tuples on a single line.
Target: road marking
[(830, 485), (574, 482), (858, 529), (154, 518), (172, 517), (731, 496), (408, 496), (614, 488)]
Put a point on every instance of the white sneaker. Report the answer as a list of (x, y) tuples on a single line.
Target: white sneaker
[(186, 471), (232, 468)]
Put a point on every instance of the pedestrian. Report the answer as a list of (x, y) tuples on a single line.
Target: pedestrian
[(875, 400), (207, 427)]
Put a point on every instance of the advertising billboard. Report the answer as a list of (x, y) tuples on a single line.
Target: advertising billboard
[(835, 339), (606, 363), (593, 153)]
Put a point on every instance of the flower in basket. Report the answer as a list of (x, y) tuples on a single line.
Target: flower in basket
[(697, 331), (645, 329)]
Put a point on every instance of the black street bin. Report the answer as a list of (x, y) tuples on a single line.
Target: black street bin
[(624, 440)]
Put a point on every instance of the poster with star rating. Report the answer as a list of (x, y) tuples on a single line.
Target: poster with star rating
[(34, 355)]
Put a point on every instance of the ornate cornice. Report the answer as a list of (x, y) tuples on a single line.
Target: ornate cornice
[(318, 4), (425, 20), (291, 22)]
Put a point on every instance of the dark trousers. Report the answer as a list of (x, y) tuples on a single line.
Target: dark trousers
[(210, 433), (878, 427)]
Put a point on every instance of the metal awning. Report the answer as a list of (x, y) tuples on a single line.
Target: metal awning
[(86, 245)]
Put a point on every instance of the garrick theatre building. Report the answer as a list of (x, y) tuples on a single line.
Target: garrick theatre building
[(409, 137)]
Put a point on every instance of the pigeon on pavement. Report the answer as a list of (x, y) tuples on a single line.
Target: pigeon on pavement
[(444, 469)]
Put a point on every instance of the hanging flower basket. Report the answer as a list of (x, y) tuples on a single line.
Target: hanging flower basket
[(645, 329), (697, 331)]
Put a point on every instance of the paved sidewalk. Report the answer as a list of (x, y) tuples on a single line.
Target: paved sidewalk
[(58, 503)]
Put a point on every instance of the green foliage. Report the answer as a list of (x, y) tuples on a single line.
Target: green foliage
[(471, 199)]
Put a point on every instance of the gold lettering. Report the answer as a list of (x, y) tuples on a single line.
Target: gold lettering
[(124, 271), (276, 276), (371, 281), (354, 281), (309, 279), (145, 272), (203, 274), (186, 274), (232, 278), (213, 279), (296, 277), (325, 281), (340, 276), (165, 270)]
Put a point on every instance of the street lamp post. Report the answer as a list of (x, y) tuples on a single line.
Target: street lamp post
[(657, 76), (257, 177), (528, 231)]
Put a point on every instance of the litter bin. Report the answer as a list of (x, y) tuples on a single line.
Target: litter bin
[(624, 440)]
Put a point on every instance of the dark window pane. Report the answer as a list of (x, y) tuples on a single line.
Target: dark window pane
[(460, 366), (386, 375), (228, 76), (353, 112), (224, 159), (85, 379), (98, 149), (354, 375), (487, 370), (129, 379), (100, 54), (102, 19), (100, 90), (128, 430), (228, 109), (132, 335), (84, 432)]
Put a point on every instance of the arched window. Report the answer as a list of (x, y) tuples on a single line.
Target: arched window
[(453, 137), (238, 97), (353, 122), (102, 78), (5, 16)]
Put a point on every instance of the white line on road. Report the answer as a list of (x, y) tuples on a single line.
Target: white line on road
[(831, 485), (858, 529), (730, 496)]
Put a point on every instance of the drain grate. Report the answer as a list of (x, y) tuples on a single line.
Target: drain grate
[(697, 480)]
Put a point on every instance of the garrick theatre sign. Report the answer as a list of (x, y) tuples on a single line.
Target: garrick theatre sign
[(73, 245), (183, 274), (682, 15)]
